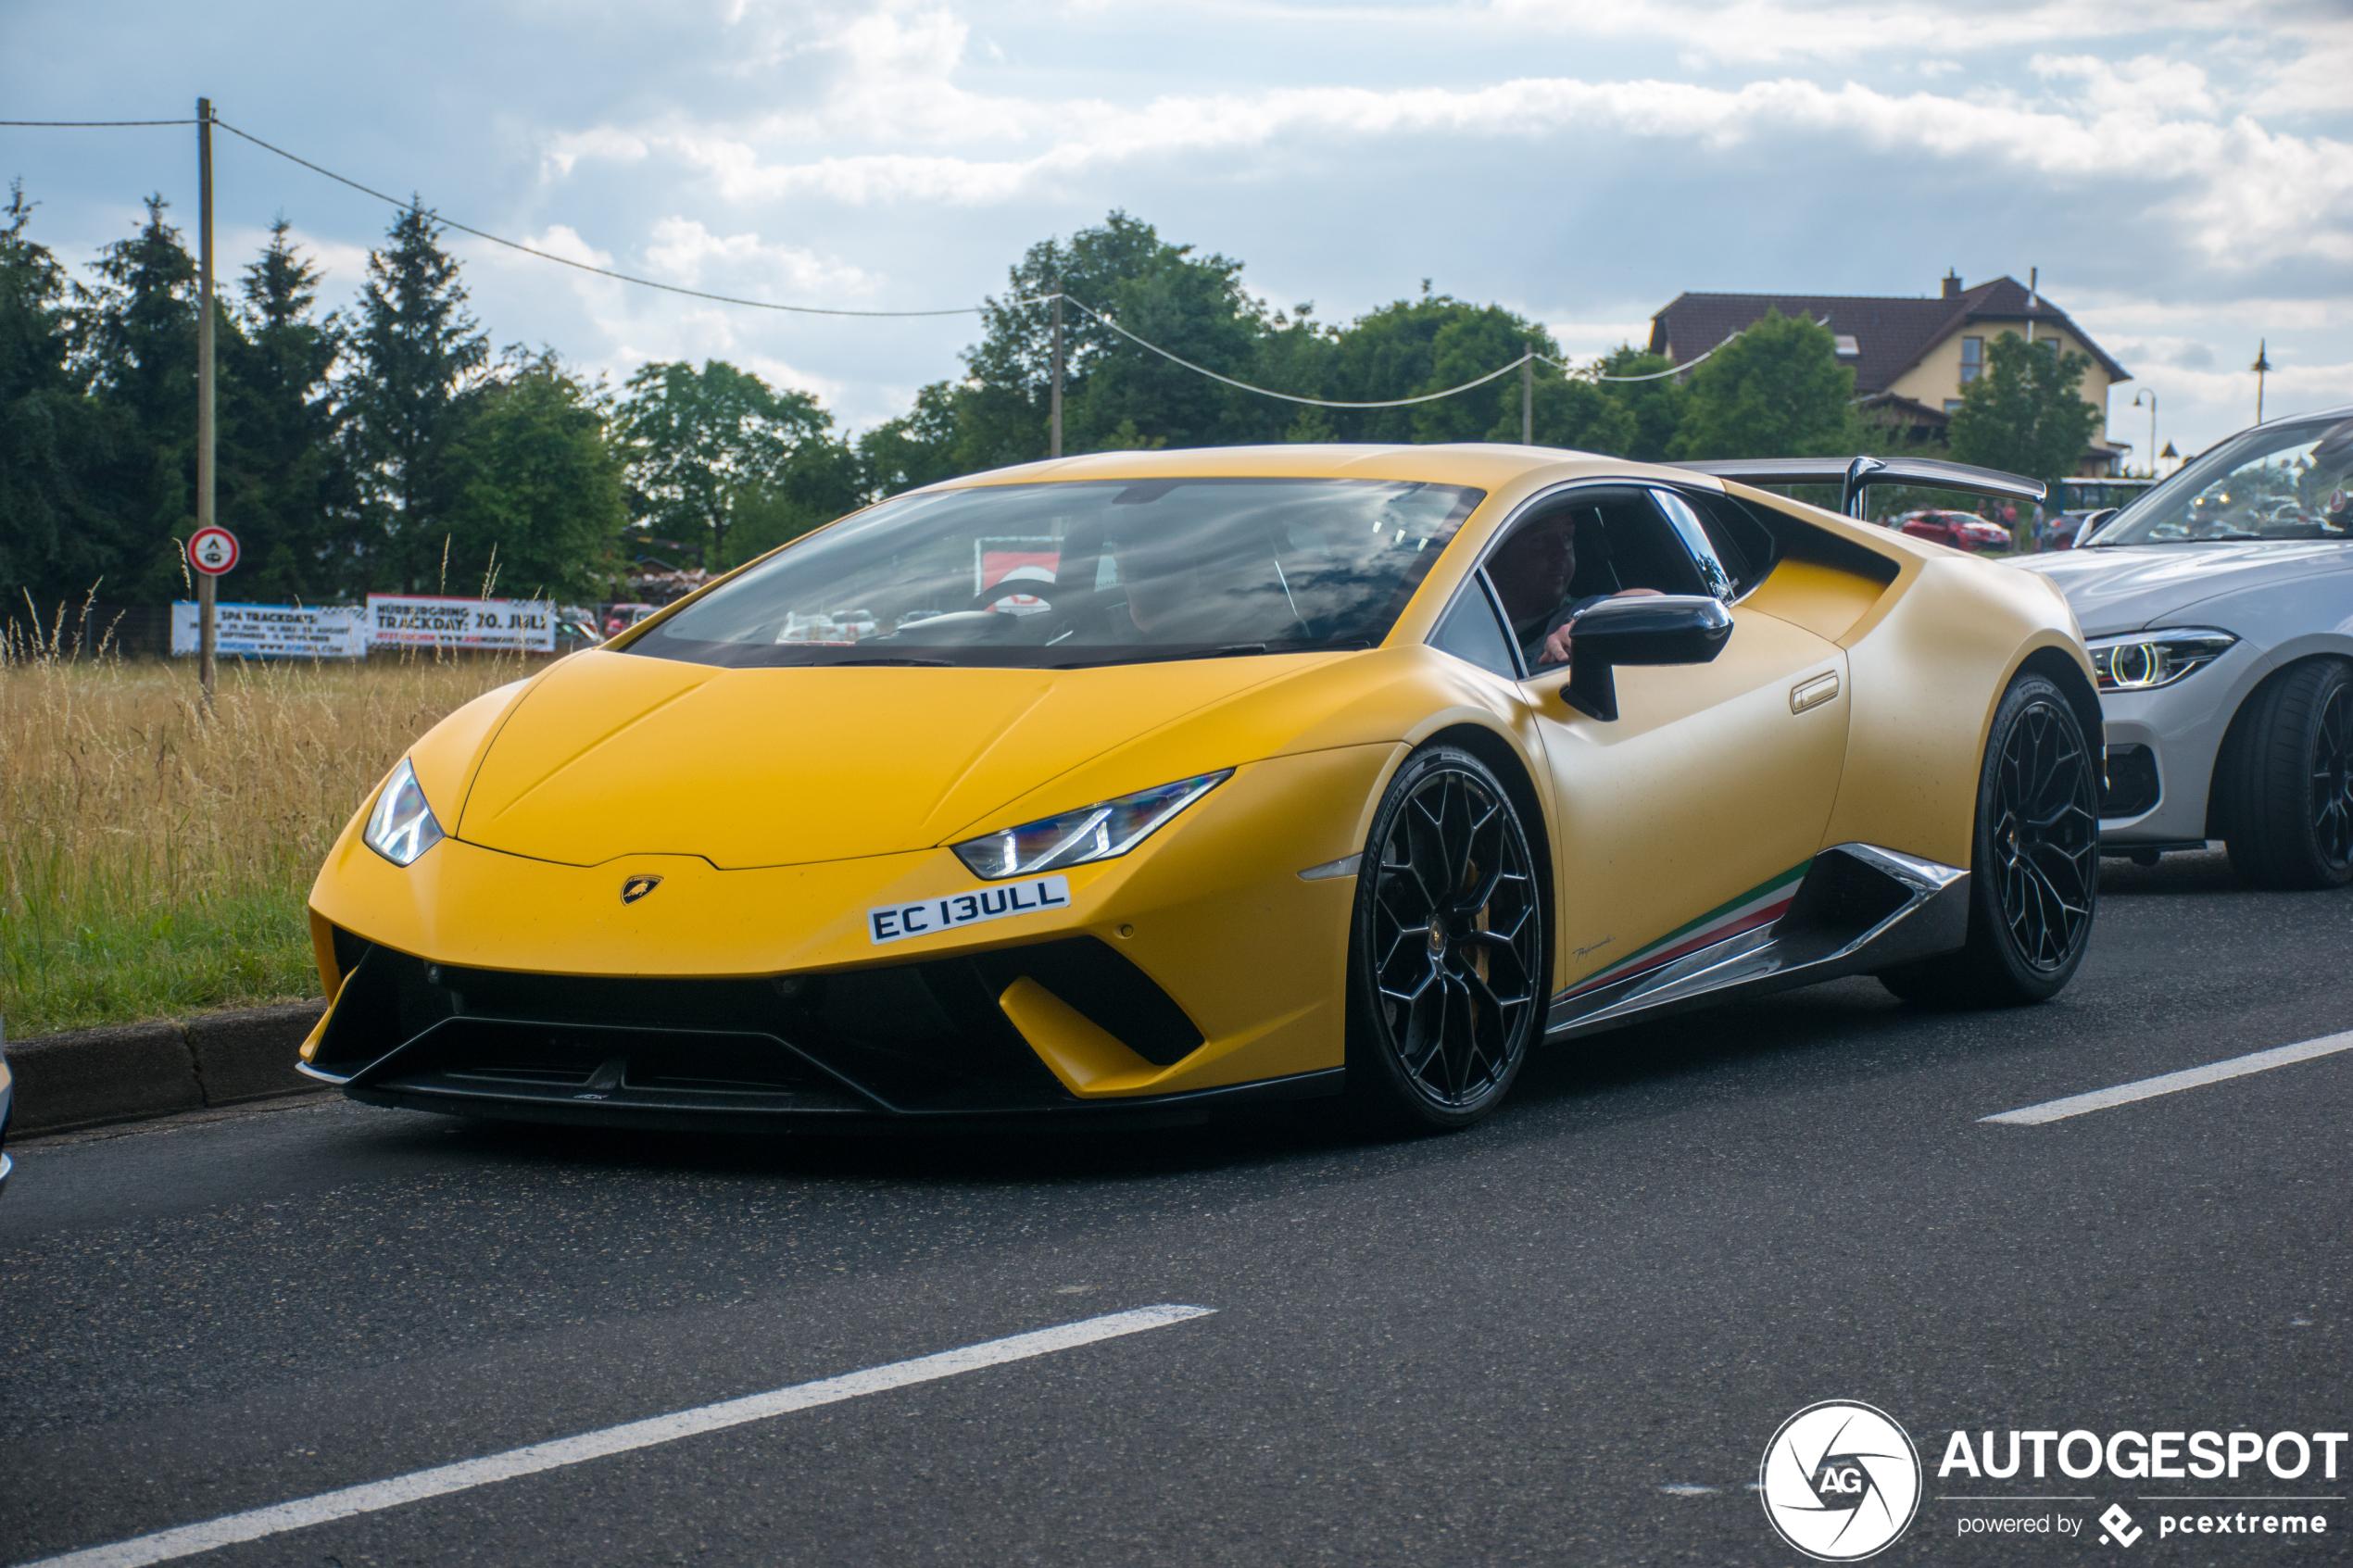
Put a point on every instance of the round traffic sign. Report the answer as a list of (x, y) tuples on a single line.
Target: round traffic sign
[(212, 551)]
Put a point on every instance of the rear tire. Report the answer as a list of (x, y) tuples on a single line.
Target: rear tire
[(1446, 952), (2288, 780), (2034, 862)]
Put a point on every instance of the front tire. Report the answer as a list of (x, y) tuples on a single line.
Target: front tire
[(2289, 819), (2034, 861), (1446, 953)]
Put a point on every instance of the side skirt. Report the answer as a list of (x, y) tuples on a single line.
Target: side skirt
[(1861, 908)]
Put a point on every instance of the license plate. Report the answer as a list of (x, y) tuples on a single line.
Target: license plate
[(896, 923)]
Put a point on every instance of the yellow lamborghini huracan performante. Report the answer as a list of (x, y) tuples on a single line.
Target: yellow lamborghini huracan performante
[(1143, 784)]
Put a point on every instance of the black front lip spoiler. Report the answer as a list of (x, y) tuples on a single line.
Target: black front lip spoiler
[(651, 1110)]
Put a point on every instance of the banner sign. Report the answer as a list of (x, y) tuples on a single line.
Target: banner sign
[(275, 631), (426, 620)]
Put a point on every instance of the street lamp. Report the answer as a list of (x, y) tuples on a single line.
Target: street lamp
[(2149, 392), (2262, 368)]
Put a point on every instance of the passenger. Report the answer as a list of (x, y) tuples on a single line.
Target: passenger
[(1532, 573)]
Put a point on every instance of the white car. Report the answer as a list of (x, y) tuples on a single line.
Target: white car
[(2218, 610)]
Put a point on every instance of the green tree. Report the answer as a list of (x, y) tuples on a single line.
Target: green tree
[(285, 484), (415, 354), (138, 343), (536, 483), (916, 448), (1571, 411), (1002, 408), (1775, 391), (59, 534), (702, 442), (1654, 405), (2024, 414)]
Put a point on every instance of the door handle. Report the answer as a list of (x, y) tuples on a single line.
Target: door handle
[(1813, 692)]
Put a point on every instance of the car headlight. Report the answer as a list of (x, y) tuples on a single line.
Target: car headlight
[(402, 826), (2140, 661), (1101, 832)]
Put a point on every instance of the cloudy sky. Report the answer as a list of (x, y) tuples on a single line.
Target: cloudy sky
[(2181, 170)]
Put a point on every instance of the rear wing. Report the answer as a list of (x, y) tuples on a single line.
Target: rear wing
[(1855, 475)]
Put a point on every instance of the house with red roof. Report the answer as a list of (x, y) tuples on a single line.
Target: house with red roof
[(1911, 356)]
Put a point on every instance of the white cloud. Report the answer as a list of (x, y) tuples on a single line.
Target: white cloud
[(2242, 194), (685, 253)]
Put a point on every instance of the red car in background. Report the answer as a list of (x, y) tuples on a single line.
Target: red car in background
[(1963, 531)]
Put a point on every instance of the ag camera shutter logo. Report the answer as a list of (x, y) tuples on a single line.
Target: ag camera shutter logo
[(1841, 1481)]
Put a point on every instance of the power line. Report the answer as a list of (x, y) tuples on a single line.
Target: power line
[(1314, 402), (581, 266), (818, 310)]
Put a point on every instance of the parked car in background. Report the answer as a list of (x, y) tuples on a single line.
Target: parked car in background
[(2219, 609), (2064, 531), (621, 617), (576, 627), (1962, 531)]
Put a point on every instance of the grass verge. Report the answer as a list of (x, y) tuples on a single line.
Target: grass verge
[(154, 859)]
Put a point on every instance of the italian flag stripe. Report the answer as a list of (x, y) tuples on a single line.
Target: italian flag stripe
[(1760, 905)]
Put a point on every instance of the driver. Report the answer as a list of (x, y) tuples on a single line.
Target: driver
[(1161, 582), (1532, 573)]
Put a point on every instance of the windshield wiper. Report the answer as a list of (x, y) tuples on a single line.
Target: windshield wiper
[(937, 663)]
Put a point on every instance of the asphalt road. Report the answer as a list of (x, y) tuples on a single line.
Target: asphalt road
[(1564, 1337)]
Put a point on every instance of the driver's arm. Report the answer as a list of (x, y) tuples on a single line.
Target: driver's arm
[(1557, 645)]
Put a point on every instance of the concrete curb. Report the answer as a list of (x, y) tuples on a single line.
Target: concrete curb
[(93, 1076)]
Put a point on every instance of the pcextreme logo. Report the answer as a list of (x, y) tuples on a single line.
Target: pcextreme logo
[(1840, 1481)]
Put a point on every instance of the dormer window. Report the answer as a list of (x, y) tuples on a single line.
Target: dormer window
[(1972, 359)]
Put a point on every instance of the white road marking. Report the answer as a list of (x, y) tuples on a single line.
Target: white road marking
[(189, 1539), (2190, 1078)]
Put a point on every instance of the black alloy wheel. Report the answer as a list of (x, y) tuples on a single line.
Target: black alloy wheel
[(1447, 950), (2045, 835), (2332, 777), (2284, 785), (2034, 869)]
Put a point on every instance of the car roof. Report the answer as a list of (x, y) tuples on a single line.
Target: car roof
[(1487, 465)]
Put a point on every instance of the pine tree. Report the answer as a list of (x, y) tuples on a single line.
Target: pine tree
[(57, 530), (415, 354), (286, 489), (138, 344)]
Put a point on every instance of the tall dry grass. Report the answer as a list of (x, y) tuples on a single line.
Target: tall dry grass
[(155, 857)]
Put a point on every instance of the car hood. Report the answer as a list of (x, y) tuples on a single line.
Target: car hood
[(614, 754), (2134, 587)]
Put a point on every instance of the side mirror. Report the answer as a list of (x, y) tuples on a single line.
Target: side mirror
[(1655, 629)]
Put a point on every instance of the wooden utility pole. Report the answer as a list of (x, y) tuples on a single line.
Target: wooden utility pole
[(204, 387), (2262, 366), (1528, 396), (1054, 442)]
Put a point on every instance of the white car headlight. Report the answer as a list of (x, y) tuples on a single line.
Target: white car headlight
[(402, 826), (2141, 661), (1101, 832)]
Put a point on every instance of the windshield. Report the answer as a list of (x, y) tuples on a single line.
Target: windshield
[(2284, 481), (1107, 572)]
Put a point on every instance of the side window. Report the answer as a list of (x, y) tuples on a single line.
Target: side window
[(1473, 632), (1715, 577), (1741, 546)]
